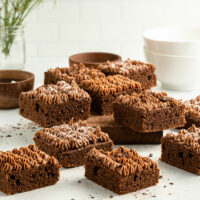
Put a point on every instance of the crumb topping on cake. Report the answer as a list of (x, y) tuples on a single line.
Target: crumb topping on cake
[(110, 85), (148, 100), (190, 137), (123, 161), (24, 158), (60, 74), (77, 72), (80, 73), (125, 67), (193, 108), (72, 136), (57, 93)]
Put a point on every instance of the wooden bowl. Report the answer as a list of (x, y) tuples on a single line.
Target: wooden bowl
[(12, 83), (93, 58)]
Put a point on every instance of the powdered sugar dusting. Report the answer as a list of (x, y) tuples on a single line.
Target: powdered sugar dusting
[(58, 93), (78, 133), (124, 67), (192, 132), (193, 104)]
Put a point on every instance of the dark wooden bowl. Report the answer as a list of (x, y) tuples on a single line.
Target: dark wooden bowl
[(93, 58), (12, 83)]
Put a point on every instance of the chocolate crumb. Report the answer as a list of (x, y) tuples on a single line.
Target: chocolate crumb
[(164, 186), (79, 181), (111, 196), (150, 155), (171, 183), (8, 136), (154, 196), (20, 134), (144, 193), (160, 177), (170, 193)]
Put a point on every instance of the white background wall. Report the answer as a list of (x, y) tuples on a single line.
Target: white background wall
[(55, 31)]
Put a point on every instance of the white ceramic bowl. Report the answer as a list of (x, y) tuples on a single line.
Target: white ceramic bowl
[(184, 41), (176, 72)]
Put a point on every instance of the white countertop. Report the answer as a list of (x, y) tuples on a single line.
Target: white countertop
[(180, 185)]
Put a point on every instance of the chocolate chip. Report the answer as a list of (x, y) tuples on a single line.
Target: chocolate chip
[(150, 155), (8, 136)]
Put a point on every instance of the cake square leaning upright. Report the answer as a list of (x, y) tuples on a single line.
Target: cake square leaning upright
[(55, 104), (182, 150), (69, 143), (27, 169), (104, 91), (121, 170), (149, 111)]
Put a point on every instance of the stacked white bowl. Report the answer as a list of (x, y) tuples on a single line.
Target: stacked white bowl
[(175, 52)]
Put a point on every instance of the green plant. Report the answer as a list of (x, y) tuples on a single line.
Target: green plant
[(12, 16)]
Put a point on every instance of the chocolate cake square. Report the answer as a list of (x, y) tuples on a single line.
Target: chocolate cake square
[(149, 111), (192, 112), (104, 91), (121, 170), (27, 169), (70, 143), (182, 150), (120, 134), (141, 72), (77, 72), (51, 105)]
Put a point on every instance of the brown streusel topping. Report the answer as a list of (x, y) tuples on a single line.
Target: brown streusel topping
[(190, 137), (77, 72), (57, 93), (125, 67), (193, 108), (123, 161), (80, 73), (148, 100), (72, 136), (24, 158), (110, 85), (60, 74)]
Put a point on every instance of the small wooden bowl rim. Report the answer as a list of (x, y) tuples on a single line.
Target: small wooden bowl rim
[(72, 58), (29, 74)]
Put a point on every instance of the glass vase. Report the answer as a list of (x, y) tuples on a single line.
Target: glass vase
[(12, 47)]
